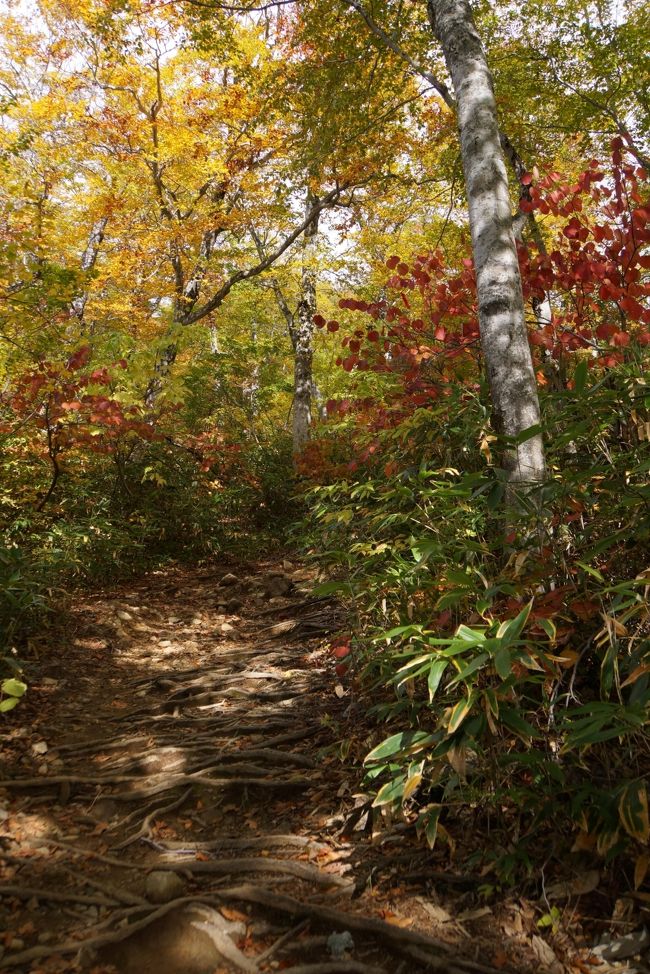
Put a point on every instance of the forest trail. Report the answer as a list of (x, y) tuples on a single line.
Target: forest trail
[(173, 800)]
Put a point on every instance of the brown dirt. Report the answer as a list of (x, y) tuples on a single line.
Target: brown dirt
[(182, 726)]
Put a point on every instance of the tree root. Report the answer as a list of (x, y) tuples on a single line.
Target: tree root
[(172, 781), (335, 967), (286, 938), (117, 895), (35, 892), (301, 870), (89, 854), (253, 842), (138, 793), (398, 937)]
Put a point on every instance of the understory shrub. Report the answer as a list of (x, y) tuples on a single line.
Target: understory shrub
[(507, 652)]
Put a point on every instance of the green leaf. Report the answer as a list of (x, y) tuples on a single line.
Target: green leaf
[(468, 635), (591, 571), (549, 628), (435, 676), (580, 376), (422, 550), (389, 793), (512, 719), (8, 704), (458, 714), (470, 668), (633, 811), (431, 828), (495, 497), (511, 630), (493, 700), (503, 662), (401, 631), (15, 688), (527, 434), (406, 742)]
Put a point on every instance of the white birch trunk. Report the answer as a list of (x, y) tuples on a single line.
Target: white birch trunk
[(88, 261), (502, 325), (302, 333)]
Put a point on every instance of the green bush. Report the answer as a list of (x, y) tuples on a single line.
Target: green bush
[(508, 654)]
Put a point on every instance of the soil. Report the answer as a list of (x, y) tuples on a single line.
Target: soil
[(182, 793)]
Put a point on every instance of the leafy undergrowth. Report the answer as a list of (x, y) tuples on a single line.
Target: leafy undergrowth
[(509, 662)]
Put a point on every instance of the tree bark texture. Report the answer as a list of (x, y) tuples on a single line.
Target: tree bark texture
[(504, 338), (302, 332)]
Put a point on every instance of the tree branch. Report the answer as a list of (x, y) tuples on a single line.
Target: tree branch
[(213, 303)]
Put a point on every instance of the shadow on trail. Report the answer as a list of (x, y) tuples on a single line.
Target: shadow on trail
[(177, 803)]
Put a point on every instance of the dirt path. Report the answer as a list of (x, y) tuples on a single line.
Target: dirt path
[(173, 800)]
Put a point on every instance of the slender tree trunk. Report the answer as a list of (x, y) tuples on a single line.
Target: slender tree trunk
[(88, 261), (504, 338), (251, 389), (302, 334)]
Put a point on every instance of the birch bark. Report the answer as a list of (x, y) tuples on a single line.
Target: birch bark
[(504, 339), (302, 333)]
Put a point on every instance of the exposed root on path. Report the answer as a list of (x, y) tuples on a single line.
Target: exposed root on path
[(167, 733)]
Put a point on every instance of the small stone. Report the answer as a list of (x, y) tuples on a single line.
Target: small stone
[(44, 938), (276, 585), (105, 809), (124, 616), (287, 565), (339, 943), (16, 943), (623, 947), (226, 627), (162, 886), (40, 747), (233, 605), (229, 579)]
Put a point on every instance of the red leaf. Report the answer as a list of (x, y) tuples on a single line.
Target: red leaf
[(392, 263), (79, 358)]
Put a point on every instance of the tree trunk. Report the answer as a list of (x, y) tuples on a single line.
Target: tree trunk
[(504, 338), (302, 334), (88, 261)]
